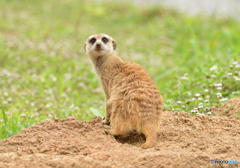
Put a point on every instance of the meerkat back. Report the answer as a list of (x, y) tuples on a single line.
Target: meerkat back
[(133, 102)]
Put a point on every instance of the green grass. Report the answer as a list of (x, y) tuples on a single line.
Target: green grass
[(44, 72)]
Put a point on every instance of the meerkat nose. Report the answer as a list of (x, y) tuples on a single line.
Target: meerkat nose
[(98, 45)]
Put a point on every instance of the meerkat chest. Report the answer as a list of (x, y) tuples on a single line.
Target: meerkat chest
[(107, 70), (104, 76)]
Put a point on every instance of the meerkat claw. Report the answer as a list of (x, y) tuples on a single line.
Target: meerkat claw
[(106, 128), (105, 122)]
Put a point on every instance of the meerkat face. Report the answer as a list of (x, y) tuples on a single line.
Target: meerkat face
[(100, 44)]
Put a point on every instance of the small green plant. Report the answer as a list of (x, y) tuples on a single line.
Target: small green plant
[(10, 126), (231, 106), (238, 115)]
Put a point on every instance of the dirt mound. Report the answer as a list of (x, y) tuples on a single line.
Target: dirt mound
[(229, 108), (183, 141)]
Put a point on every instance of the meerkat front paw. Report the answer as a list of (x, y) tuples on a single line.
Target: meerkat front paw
[(105, 122), (108, 129)]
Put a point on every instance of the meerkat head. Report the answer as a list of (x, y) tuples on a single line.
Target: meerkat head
[(99, 44)]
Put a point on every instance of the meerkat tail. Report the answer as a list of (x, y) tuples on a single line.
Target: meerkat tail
[(150, 133)]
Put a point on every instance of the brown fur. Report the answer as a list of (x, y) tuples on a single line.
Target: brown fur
[(133, 102)]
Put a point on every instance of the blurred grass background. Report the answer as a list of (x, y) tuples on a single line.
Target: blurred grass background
[(44, 72)]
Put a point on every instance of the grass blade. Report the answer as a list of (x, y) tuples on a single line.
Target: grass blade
[(4, 115), (95, 111)]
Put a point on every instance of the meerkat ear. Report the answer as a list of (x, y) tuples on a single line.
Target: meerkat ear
[(85, 47), (114, 44)]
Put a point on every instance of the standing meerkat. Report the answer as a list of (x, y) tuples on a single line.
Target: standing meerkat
[(133, 102)]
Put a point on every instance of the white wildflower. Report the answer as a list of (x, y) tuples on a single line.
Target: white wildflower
[(219, 95), (9, 99), (214, 68), (213, 76), (48, 105), (207, 109), (218, 84), (183, 77), (23, 115), (224, 99), (237, 79), (197, 94), (42, 79), (76, 108)]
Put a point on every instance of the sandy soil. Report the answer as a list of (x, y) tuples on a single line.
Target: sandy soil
[(183, 141)]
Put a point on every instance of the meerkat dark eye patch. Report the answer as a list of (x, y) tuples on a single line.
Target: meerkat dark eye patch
[(92, 41), (104, 39)]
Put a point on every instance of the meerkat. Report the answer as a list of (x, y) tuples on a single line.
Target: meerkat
[(133, 102)]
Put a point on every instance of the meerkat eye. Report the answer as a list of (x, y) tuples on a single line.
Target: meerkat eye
[(92, 41), (104, 39)]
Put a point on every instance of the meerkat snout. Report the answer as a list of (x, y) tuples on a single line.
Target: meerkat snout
[(98, 45)]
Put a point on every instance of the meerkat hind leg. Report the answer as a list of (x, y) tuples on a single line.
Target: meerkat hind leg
[(114, 132)]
